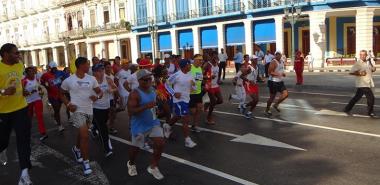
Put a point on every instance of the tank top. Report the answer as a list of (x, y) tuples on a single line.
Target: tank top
[(279, 69), (31, 85), (212, 71), (197, 74), (146, 119)]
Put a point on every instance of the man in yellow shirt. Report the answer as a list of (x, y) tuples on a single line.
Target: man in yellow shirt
[(13, 109)]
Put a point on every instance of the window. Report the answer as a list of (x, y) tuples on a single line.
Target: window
[(92, 18), (182, 9), (141, 12), (46, 27), (80, 19), (205, 7), (56, 25), (122, 11), (232, 5), (106, 15), (161, 10)]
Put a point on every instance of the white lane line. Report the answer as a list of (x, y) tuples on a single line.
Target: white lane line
[(285, 106), (306, 124), (213, 131), (323, 94), (194, 165), (341, 103)]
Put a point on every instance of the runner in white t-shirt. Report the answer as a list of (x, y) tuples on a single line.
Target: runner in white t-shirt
[(113, 99), (122, 77), (183, 83), (81, 87)]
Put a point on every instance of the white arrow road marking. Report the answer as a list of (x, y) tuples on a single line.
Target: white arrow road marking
[(260, 140), (305, 124), (251, 139), (194, 165)]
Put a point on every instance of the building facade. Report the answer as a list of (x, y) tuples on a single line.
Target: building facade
[(54, 30)]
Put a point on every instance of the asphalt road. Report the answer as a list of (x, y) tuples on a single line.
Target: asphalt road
[(310, 142)]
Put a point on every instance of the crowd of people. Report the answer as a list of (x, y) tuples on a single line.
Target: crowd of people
[(155, 95)]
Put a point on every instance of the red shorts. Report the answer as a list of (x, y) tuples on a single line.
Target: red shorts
[(214, 90), (252, 89)]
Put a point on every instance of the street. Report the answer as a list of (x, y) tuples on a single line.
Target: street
[(311, 141)]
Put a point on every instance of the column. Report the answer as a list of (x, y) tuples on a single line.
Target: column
[(66, 56), (279, 22), (103, 49), (34, 57), (364, 29), (77, 50), (221, 36), (112, 11), (248, 37), (130, 11), (134, 48), (172, 7), (44, 60), (196, 40), (173, 36), (333, 40), (55, 54), (318, 38), (118, 47), (90, 51)]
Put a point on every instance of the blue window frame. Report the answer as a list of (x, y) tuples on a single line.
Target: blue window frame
[(185, 39), (232, 5), (161, 11), (164, 42), (141, 12), (209, 37), (205, 7), (145, 44), (182, 8)]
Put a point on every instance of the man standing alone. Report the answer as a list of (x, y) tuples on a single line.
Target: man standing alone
[(363, 70), (222, 64), (238, 59)]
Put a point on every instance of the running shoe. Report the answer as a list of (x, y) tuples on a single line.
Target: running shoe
[(155, 172), (112, 130), (86, 167), (195, 129), (3, 157), (167, 130), (248, 115), (190, 143), (61, 128), (372, 115), (268, 113), (275, 106), (131, 169), (43, 137), (242, 109), (25, 180), (77, 154), (108, 154)]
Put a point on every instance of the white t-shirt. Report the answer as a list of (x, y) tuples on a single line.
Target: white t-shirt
[(222, 57), (239, 80), (172, 69), (104, 102), (260, 55), (182, 83), (80, 91), (113, 79), (31, 85), (268, 58), (132, 81), (123, 75), (367, 80), (252, 77)]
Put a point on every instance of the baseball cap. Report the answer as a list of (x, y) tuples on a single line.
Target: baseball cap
[(142, 73), (145, 63), (183, 63), (53, 64), (166, 56), (97, 67)]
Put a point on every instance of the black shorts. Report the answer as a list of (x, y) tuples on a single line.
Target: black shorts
[(275, 87), (195, 99)]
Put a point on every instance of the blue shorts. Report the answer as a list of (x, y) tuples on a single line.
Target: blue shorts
[(181, 108)]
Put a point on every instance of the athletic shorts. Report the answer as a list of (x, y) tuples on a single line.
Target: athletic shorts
[(181, 108), (195, 99), (139, 140), (80, 119), (54, 101), (214, 90), (252, 89), (275, 87)]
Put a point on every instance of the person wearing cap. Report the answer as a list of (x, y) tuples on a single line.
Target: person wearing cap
[(195, 104), (212, 87), (180, 84), (132, 81), (276, 84), (144, 123), (14, 111), (32, 87), (298, 67), (52, 81), (101, 107), (84, 91)]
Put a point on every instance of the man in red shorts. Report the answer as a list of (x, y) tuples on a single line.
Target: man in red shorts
[(251, 87)]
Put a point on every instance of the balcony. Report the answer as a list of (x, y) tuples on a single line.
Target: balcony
[(68, 2), (109, 27), (73, 34)]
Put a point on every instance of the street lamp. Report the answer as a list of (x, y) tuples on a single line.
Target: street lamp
[(292, 14), (152, 29)]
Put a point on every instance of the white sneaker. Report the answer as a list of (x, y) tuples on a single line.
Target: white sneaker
[(155, 172), (146, 146), (248, 115), (3, 157), (77, 154), (61, 128), (25, 180), (86, 167), (190, 143), (167, 130), (131, 169)]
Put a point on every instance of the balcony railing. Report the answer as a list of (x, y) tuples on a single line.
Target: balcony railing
[(75, 33), (67, 2), (122, 25)]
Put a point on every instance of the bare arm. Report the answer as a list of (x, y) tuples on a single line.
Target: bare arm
[(133, 104)]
